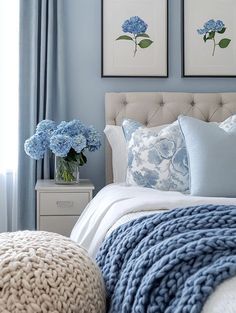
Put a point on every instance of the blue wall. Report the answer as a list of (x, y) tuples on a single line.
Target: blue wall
[(86, 88)]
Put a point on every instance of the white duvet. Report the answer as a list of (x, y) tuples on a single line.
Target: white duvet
[(116, 204)]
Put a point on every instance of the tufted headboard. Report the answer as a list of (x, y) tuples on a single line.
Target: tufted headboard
[(157, 108)]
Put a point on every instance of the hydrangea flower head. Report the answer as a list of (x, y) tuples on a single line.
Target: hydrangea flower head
[(60, 128), (135, 25), (36, 145), (72, 128), (93, 139), (46, 126), (79, 143), (219, 25), (60, 145), (202, 31), (211, 26)]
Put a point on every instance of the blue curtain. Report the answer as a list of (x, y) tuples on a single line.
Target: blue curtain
[(42, 90)]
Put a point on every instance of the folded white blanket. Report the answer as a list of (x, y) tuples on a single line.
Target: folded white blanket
[(115, 201)]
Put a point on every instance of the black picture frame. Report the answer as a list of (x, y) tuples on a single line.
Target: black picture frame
[(184, 75), (103, 75)]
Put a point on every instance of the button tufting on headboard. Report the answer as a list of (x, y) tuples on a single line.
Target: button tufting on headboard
[(156, 108)]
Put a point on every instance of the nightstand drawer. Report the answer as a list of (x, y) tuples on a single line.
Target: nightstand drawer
[(59, 206), (58, 224), (56, 203)]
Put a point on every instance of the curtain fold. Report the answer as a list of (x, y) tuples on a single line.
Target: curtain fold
[(42, 90), (9, 80), (8, 202)]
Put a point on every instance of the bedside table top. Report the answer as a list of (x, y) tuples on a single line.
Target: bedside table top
[(49, 184)]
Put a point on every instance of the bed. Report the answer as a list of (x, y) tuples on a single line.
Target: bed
[(117, 203)]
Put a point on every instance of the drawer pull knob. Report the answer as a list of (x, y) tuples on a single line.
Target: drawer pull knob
[(65, 204)]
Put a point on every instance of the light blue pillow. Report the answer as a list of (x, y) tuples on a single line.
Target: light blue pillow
[(157, 157), (212, 156)]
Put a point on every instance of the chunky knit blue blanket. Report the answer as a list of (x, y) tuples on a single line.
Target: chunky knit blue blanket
[(169, 262)]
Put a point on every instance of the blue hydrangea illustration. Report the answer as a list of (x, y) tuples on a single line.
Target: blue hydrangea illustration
[(209, 31), (137, 28), (211, 26), (135, 25)]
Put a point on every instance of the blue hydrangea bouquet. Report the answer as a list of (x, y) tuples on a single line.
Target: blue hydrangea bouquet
[(68, 141)]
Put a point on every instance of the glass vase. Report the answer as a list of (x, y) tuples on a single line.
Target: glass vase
[(66, 171)]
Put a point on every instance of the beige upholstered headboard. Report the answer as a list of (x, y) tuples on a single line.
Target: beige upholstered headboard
[(157, 108)]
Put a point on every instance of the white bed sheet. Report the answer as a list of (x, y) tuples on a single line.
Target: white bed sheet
[(117, 204)]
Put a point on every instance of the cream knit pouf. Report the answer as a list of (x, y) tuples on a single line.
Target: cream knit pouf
[(46, 272)]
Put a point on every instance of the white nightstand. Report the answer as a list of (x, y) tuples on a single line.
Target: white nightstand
[(59, 206)]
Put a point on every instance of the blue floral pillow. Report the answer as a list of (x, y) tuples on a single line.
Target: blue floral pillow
[(156, 158), (129, 127)]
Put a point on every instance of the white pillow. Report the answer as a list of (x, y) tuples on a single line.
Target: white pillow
[(116, 139)]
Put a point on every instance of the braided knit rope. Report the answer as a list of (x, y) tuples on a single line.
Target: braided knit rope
[(46, 272), (169, 262)]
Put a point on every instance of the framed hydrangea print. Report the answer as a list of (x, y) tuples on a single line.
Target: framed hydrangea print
[(209, 38), (134, 38)]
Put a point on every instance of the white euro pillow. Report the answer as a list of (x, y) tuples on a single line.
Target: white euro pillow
[(116, 139)]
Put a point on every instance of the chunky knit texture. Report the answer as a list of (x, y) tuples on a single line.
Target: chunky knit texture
[(46, 272), (169, 262)]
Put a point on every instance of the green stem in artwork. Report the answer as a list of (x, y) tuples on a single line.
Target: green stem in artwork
[(214, 48), (136, 45)]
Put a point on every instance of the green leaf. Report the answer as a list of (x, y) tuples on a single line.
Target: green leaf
[(81, 159), (222, 31), (224, 42), (211, 35), (145, 43), (84, 158), (124, 37), (143, 35)]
